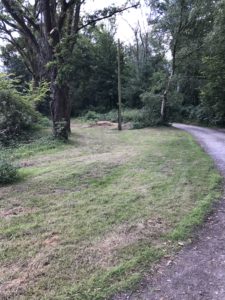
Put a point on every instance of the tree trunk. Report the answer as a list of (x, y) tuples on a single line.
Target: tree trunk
[(163, 108), (61, 110), (165, 100)]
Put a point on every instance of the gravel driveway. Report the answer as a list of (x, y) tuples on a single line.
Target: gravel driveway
[(198, 271)]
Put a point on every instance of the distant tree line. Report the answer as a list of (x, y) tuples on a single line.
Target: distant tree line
[(172, 72)]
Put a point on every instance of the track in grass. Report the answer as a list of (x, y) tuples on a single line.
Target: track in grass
[(91, 217)]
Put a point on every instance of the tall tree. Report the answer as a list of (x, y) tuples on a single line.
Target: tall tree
[(182, 24), (48, 32), (143, 58), (92, 71), (213, 64), (13, 63)]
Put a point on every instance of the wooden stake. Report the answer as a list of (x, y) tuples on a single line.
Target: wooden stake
[(119, 90)]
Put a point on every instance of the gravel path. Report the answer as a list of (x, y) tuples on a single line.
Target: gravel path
[(198, 271)]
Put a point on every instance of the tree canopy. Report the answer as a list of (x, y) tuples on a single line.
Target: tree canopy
[(44, 32), (172, 71)]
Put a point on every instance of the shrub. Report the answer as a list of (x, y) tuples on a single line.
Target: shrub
[(39, 97), (150, 113), (45, 122), (8, 172), (175, 107), (131, 115), (128, 115), (111, 116), (16, 115), (92, 116)]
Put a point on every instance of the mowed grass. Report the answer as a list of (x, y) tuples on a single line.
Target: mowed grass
[(91, 217)]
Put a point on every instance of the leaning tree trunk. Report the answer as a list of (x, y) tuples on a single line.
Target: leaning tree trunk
[(164, 102), (61, 110), (163, 108)]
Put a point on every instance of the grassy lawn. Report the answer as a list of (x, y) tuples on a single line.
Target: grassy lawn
[(91, 217)]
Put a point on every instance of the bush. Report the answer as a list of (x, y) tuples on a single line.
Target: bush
[(111, 116), (45, 122), (175, 107), (16, 115), (39, 97), (131, 115), (8, 172), (92, 116), (150, 113), (128, 115)]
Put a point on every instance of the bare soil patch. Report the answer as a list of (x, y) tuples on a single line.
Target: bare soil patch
[(104, 124)]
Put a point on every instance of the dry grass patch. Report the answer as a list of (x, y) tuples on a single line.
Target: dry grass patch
[(15, 211), (17, 276), (107, 247), (92, 216)]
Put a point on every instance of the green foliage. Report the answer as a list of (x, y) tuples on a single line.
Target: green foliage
[(93, 202), (36, 144), (92, 72), (213, 91), (8, 172), (150, 112), (14, 63), (131, 115), (38, 96), (194, 29), (16, 114), (149, 115), (151, 100), (45, 122), (9, 82), (92, 116), (143, 59), (128, 115), (184, 26)]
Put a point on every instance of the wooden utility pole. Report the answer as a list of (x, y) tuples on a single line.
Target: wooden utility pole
[(119, 90)]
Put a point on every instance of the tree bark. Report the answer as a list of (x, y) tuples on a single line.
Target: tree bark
[(43, 25), (163, 108), (176, 38), (60, 110), (164, 102)]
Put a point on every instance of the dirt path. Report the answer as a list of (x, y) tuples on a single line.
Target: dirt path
[(198, 271)]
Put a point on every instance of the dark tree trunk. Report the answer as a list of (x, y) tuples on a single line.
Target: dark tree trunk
[(43, 25), (61, 110)]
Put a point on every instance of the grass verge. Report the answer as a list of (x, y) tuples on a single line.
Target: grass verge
[(92, 217)]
